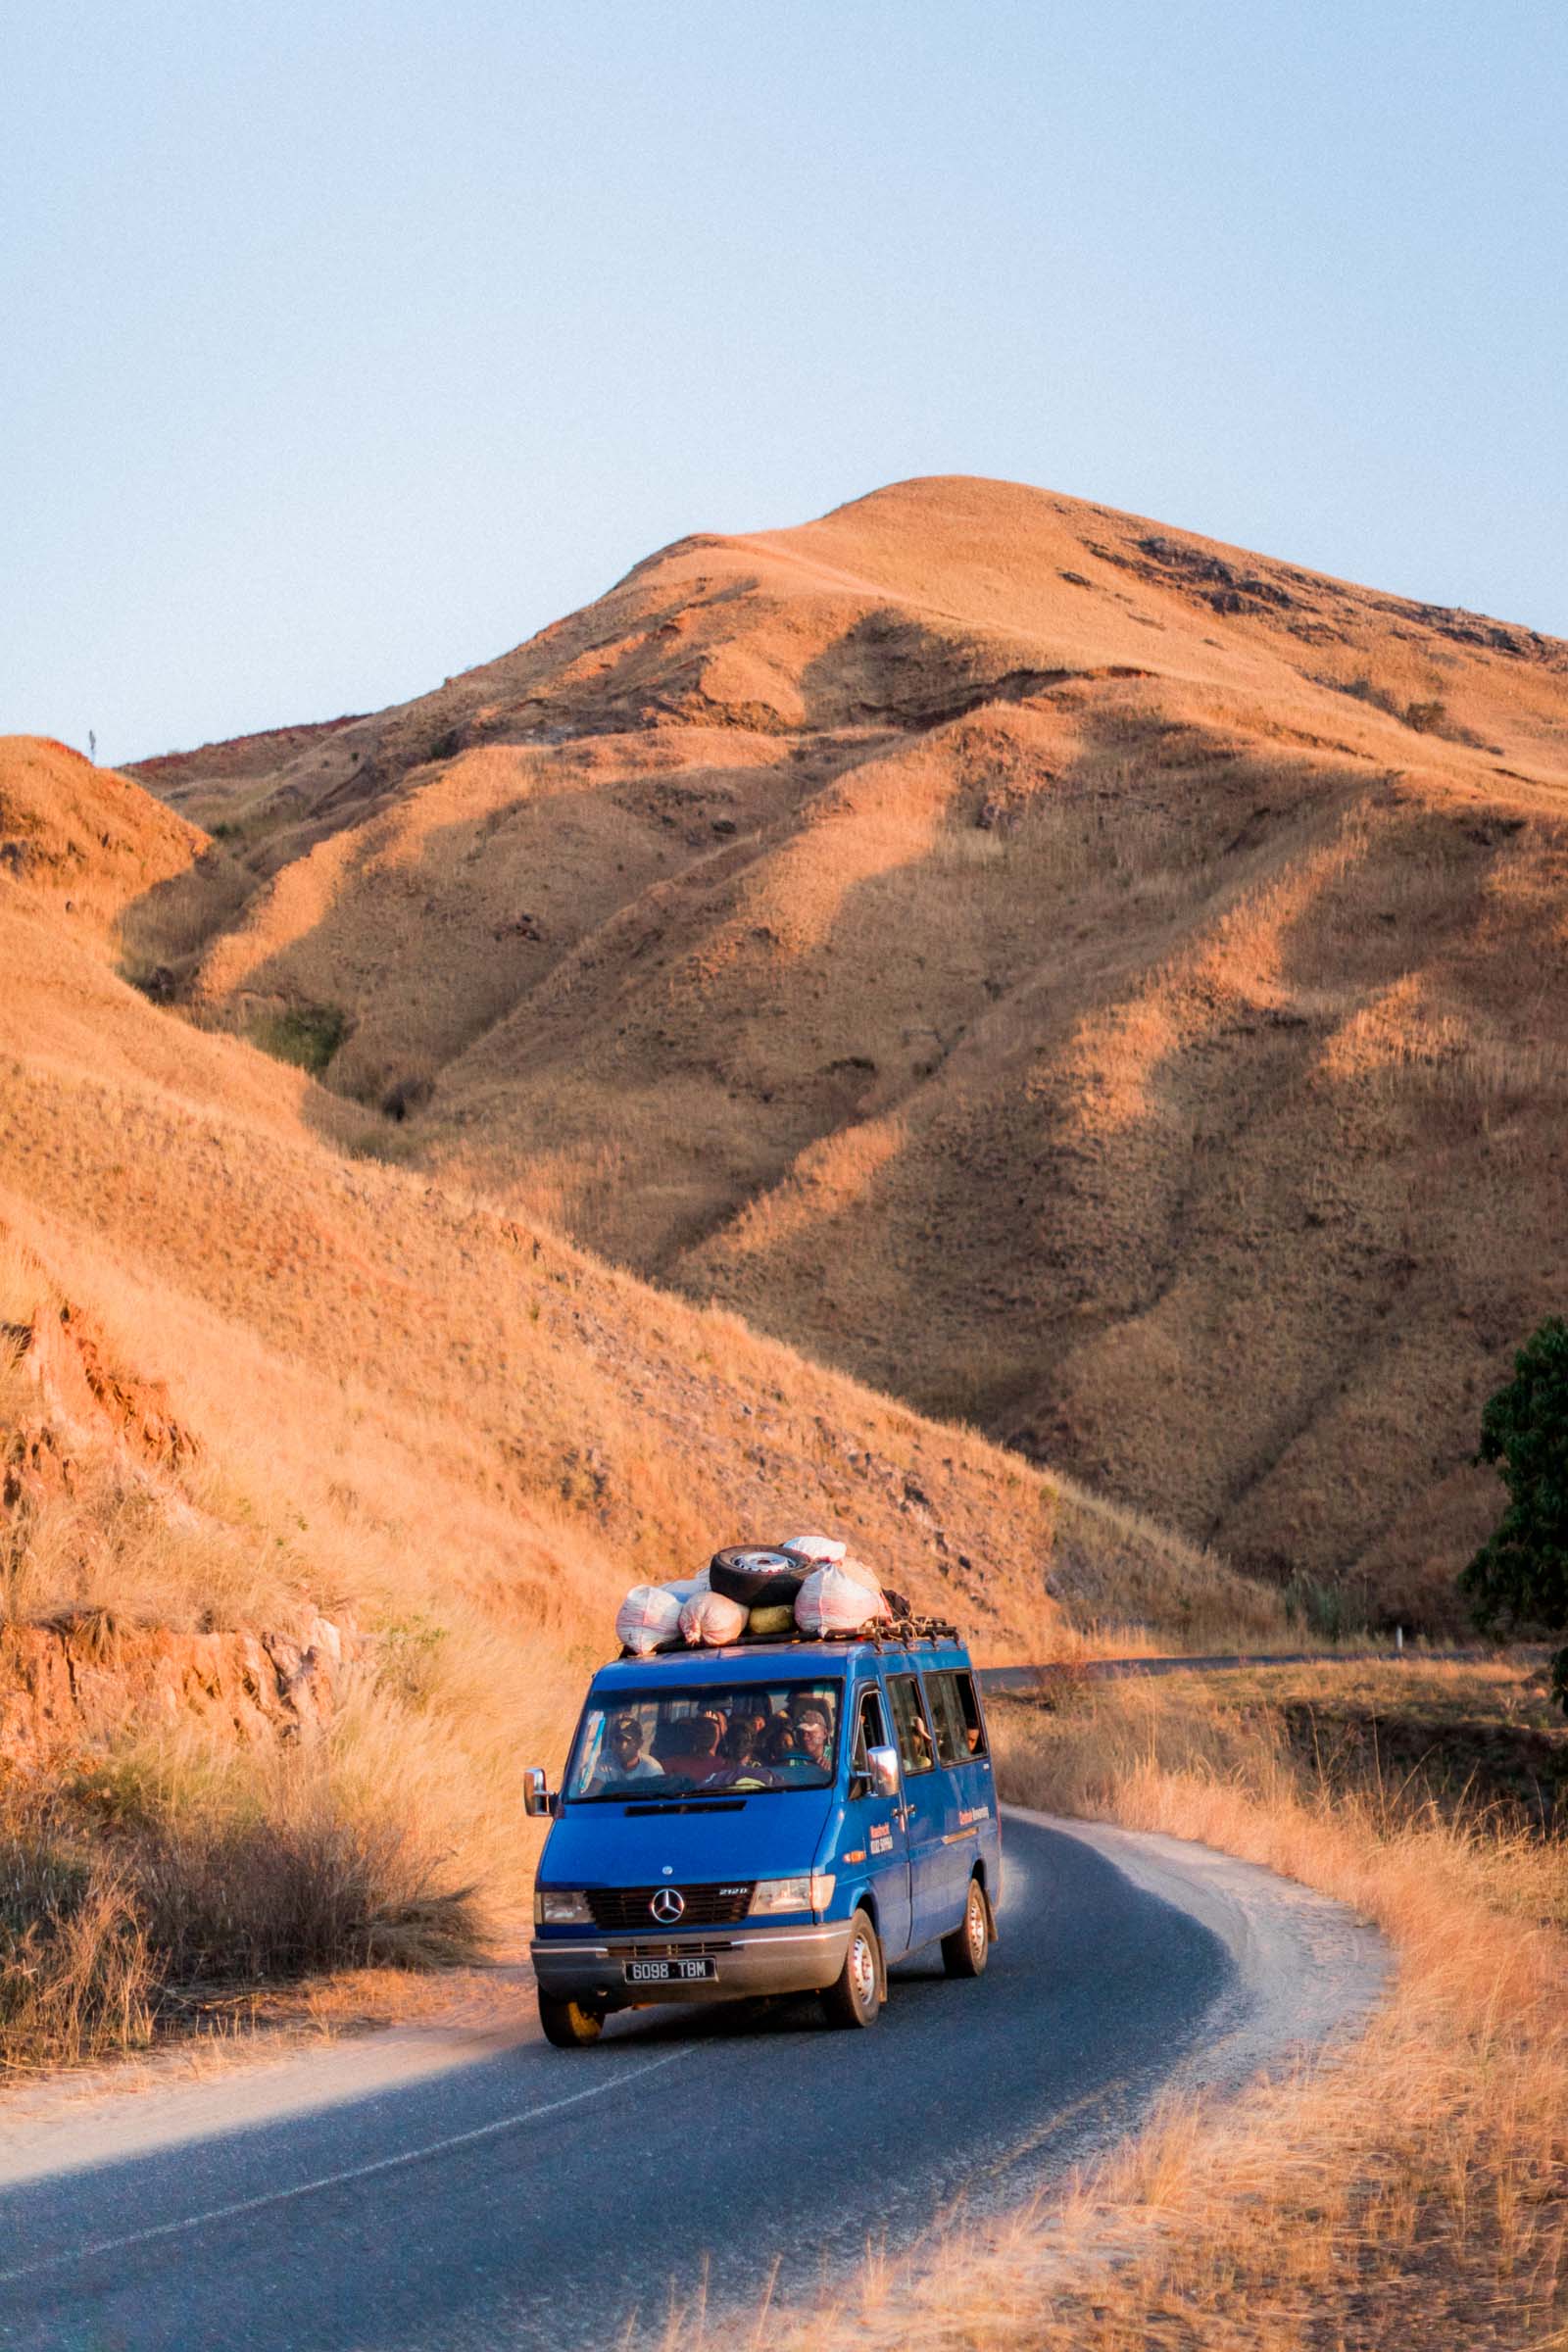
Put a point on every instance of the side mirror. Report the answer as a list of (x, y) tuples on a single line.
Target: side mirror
[(537, 1800), (882, 1763)]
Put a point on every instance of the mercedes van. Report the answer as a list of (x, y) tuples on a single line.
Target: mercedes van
[(778, 1817)]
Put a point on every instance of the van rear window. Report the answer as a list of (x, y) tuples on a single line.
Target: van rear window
[(955, 1714)]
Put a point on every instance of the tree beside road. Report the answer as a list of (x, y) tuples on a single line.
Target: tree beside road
[(1519, 1578)]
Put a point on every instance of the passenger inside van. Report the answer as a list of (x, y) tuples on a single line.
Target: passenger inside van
[(697, 1753), (756, 1739), (622, 1758), (812, 1732)]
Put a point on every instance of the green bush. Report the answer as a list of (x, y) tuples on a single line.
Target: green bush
[(306, 1035), (1321, 1609), (1519, 1578), (1427, 718)]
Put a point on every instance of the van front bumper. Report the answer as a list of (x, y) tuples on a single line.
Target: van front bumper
[(745, 1964)]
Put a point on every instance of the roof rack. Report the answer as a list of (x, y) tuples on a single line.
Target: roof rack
[(905, 1630), (884, 1632)]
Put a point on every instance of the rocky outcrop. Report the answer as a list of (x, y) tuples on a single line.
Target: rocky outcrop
[(88, 1400), (77, 1685), (78, 1679)]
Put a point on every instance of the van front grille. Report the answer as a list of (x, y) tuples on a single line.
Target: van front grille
[(626, 1907), (691, 1948)]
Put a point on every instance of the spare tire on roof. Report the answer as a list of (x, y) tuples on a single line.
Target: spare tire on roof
[(755, 1577)]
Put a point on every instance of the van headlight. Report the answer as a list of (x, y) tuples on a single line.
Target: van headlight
[(561, 1907), (793, 1894)]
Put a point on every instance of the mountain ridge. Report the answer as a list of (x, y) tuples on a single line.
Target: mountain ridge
[(975, 935)]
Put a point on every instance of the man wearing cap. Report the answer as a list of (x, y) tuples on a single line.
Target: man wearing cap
[(813, 1733), (622, 1758)]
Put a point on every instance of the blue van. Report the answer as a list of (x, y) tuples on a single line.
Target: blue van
[(777, 1817)]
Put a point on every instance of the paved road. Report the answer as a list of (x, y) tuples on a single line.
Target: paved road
[(535, 2197), (1026, 1679)]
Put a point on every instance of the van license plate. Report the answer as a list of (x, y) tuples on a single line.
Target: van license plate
[(669, 1972)]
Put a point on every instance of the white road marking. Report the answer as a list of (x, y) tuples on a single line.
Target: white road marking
[(356, 2171)]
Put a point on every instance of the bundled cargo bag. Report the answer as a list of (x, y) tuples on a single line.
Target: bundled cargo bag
[(831, 1601), (818, 1552), (755, 1576), (771, 1619), (862, 1574), (648, 1619), (709, 1620)]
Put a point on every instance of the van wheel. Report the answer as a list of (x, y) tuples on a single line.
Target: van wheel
[(569, 2024), (965, 1951), (856, 1995)]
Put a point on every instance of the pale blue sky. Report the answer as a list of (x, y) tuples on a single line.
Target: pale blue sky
[(346, 347)]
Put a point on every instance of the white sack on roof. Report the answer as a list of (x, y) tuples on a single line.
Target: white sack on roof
[(711, 1619), (817, 1549), (833, 1603), (862, 1574), (648, 1619)]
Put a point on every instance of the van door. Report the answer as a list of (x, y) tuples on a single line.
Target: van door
[(873, 1827), (924, 1809)]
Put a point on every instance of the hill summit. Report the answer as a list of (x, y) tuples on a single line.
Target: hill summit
[(1077, 976)]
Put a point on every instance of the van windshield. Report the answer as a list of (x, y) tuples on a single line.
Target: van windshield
[(753, 1737)]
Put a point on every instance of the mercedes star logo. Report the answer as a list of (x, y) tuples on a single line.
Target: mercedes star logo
[(667, 1905)]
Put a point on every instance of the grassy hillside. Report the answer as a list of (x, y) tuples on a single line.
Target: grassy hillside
[(1405, 2189), (393, 1403), (1062, 972)]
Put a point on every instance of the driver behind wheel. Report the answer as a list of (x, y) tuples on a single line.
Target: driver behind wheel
[(623, 1758)]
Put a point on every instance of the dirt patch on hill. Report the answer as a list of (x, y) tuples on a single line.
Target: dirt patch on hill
[(72, 1688)]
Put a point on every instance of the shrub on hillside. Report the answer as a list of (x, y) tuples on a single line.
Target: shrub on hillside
[(158, 1871), (306, 1035), (312, 1887), (1519, 1578), (1428, 716), (1326, 1611), (77, 1973)]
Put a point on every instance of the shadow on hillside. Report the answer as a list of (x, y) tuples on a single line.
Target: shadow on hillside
[(1138, 1074)]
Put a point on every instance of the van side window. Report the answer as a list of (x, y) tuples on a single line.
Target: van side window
[(955, 1715), (946, 1719), (974, 1730), (909, 1717), (872, 1731)]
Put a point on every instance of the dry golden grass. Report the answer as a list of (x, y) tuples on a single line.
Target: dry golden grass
[(413, 1409), (1413, 2191), (170, 1868)]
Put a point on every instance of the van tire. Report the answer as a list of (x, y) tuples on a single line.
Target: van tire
[(569, 2024), (965, 1951), (856, 1995)]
